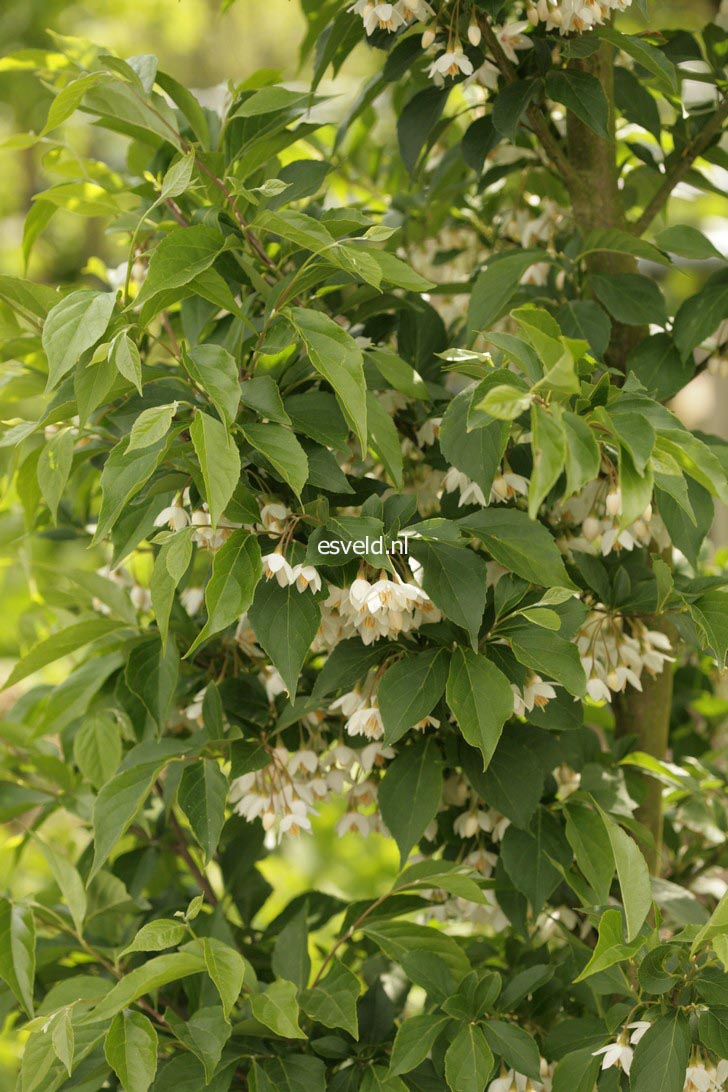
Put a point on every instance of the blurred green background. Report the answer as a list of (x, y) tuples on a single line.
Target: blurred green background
[(203, 47)]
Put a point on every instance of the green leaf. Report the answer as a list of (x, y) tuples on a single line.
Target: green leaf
[(60, 644), (151, 976), (205, 1033), (577, 1071), (73, 326), (587, 836), (124, 356), (688, 242), (454, 578), (496, 285), (151, 425), (510, 104), (659, 366), (54, 467), (477, 453), (398, 373), (548, 654), (285, 622), (481, 699), (338, 359), (633, 876), (219, 461), (616, 241), (333, 1000), (701, 315), (414, 1040), (63, 1038), (585, 319), (384, 440), (517, 1048), (290, 955), (630, 298), (377, 1079), (131, 1050), (226, 967), (416, 122), (513, 782), (261, 393), (527, 856), (202, 794), (584, 95), (504, 402), (717, 925), (282, 450), (292, 1073), (17, 951), (548, 444), (399, 939), (123, 476), (520, 544), (610, 947), (582, 454), (155, 936), (654, 60), (69, 883), (116, 805), (468, 1060), (409, 690), (277, 1008), (410, 794), (151, 674), (710, 614), (661, 1056), (177, 259), (215, 370), (236, 570), (636, 488)]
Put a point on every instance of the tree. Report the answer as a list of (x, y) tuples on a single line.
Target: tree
[(373, 442)]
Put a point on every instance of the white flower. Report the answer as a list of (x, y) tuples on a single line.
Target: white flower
[(638, 1028), (273, 517), (275, 565), (511, 38), (192, 599), (354, 821), (598, 690), (451, 63), (617, 1054), (141, 598), (613, 503), (366, 722), (428, 433), (699, 1079), (411, 10), (568, 781), (379, 17), (174, 516), (537, 693), (306, 576)]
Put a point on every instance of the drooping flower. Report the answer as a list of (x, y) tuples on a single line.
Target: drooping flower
[(452, 62)]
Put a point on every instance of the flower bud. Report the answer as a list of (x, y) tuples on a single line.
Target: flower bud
[(614, 502), (532, 15), (428, 38), (474, 34), (591, 528), (647, 514)]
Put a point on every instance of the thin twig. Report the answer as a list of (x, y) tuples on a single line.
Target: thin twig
[(675, 174), (538, 121), (181, 849)]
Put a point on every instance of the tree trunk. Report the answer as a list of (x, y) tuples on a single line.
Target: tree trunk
[(597, 204)]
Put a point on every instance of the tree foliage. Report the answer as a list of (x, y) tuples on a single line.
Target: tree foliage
[(374, 444)]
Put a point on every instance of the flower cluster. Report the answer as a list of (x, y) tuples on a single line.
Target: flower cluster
[(612, 657), (505, 487), (302, 576), (574, 16), (384, 608), (591, 523), (285, 793), (390, 17), (176, 517)]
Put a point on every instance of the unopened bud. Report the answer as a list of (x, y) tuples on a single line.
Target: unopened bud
[(532, 15), (614, 502), (474, 34), (591, 528), (428, 38), (647, 514)]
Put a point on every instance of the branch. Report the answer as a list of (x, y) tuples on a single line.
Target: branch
[(539, 124), (675, 174), (182, 850)]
